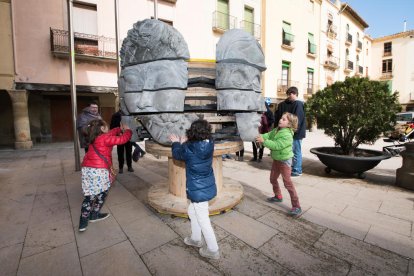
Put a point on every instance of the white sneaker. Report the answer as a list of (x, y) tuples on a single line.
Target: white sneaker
[(205, 252), (191, 242)]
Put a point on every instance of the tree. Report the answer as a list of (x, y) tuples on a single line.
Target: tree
[(353, 112)]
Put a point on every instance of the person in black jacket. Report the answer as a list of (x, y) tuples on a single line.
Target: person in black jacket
[(197, 151), (294, 106), (124, 148)]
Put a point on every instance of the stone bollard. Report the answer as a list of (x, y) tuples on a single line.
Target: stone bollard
[(405, 174)]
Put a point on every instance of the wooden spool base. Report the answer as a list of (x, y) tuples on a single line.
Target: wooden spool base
[(163, 201), (170, 197)]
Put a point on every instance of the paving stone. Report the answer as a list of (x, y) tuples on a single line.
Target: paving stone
[(402, 209), (129, 212), (182, 227), (301, 258), (357, 230), (386, 222), (411, 268), (9, 259), (118, 195), (298, 228), (238, 258), (371, 258), (335, 207), (250, 231), (50, 198), (357, 271), (148, 233), (353, 201), (46, 213), (392, 241), (14, 218), (63, 260), (98, 235), (48, 235), (119, 259), (252, 208), (176, 258)]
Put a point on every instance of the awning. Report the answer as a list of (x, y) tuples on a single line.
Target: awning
[(310, 37), (285, 64), (310, 70)]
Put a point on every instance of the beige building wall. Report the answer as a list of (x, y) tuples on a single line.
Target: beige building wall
[(401, 78), (6, 46), (304, 17)]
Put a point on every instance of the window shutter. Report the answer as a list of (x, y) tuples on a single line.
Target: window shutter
[(85, 19)]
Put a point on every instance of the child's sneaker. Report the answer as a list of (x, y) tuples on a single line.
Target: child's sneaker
[(295, 211), (205, 252), (83, 224), (274, 199), (94, 217), (189, 241)]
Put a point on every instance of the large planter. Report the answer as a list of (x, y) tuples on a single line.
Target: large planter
[(349, 164)]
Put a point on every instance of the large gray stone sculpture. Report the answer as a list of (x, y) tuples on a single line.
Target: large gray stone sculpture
[(154, 78), (240, 62)]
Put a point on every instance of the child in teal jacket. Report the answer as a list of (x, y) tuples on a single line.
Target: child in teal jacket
[(280, 141)]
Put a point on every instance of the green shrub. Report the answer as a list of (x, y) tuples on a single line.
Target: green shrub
[(353, 112)]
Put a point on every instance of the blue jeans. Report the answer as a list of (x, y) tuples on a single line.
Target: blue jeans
[(297, 156)]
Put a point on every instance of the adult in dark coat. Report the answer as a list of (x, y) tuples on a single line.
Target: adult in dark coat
[(89, 113), (294, 106), (124, 150)]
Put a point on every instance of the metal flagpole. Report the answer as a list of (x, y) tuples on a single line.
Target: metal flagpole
[(73, 84), (155, 9)]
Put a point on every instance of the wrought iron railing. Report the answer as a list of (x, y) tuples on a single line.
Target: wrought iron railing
[(387, 53), (85, 44), (331, 61), (359, 46), (387, 75), (223, 21), (349, 38), (283, 85), (250, 27)]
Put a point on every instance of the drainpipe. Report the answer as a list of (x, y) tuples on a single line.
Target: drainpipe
[(155, 9), (13, 38)]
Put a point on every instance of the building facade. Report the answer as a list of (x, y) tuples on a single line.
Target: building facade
[(392, 61), (307, 43)]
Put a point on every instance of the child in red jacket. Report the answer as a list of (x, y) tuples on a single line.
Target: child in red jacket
[(96, 167)]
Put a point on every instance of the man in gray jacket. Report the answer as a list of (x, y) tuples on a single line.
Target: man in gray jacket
[(89, 113)]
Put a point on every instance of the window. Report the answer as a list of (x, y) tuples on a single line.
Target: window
[(287, 36), (285, 73), (311, 44), (346, 55), (85, 18), (387, 49), (223, 14), (387, 66), (310, 81), (249, 20), (357, 60)]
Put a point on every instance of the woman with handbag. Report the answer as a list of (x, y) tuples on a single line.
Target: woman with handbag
[(97, 169)]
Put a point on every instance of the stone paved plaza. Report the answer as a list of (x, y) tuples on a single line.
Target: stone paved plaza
[(349, 226)]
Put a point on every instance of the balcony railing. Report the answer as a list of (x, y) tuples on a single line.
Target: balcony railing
[(359, 45), (349, 65), (331, 62), (311, 89), (348, 39), (283, 85), (386, 75), (86, 45), (251, 28), (223, 21), (311, 48), (387, 53), (331, 31)]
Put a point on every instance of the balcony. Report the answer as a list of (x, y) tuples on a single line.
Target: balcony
[(386, 76), (283, 85), (87, 47), (310, 90), (359, 46), (311, 50), (251, 28), (287, 41), (331, 62), (349, 66), (223, 22), (331, 31), (387, 54), (348, 40)]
